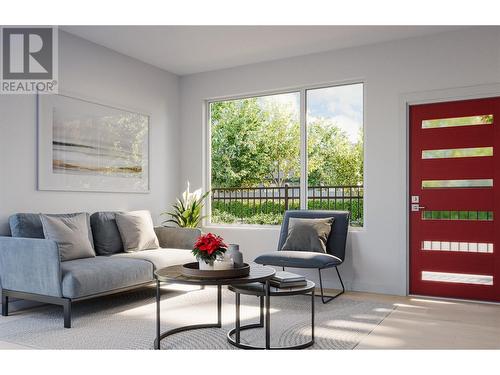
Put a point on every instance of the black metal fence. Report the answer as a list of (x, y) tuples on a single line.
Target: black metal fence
[(266, 205)]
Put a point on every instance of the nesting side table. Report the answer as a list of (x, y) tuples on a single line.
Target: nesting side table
[(174, 275), (259, 290)]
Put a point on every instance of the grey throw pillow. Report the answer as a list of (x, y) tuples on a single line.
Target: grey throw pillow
[(71, 233), (137, 231), (107, 239), (26, 225), (308, 234)]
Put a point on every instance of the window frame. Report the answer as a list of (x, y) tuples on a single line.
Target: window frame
[(302, 90)]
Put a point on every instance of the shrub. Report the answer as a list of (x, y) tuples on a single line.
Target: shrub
[(271, 213)]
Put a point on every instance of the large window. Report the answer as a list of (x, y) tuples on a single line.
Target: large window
[(335, 149), (259, 147)]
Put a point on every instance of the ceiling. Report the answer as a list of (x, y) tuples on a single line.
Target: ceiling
[(192, 49)]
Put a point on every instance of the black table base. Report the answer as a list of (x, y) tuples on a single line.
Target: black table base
[(174, 275), (234, 335), (236, 332), (161, 335)]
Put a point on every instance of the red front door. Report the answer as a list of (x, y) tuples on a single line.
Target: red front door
[(454, 198)]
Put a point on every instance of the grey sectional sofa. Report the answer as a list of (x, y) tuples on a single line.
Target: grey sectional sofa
[(31, 266)]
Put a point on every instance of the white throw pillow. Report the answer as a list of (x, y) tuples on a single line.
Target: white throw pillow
[(137, 231)]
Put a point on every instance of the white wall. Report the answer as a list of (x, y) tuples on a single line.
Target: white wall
[(99, 73), (376, 254), (376, 258)]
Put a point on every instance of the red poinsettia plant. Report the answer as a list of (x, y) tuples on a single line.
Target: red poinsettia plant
[(208, 246)]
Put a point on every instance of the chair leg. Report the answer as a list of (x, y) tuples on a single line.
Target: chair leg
[(67, 313), (5, 305), (326, 299)]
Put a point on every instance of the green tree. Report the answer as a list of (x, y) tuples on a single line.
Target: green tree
[(238, 157), (332, 158), (281, 132), (254, 143), (257, 142)]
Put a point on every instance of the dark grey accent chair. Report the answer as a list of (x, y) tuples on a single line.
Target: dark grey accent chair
[(335, 247)]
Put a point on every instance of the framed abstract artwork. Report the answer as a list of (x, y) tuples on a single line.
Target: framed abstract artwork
[(87, 146)]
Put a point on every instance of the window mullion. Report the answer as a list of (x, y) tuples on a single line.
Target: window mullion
[(303, 150)]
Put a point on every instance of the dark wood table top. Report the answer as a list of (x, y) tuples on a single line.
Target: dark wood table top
[(257, 289), (173, 274)]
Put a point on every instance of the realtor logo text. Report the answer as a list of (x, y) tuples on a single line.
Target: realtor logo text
[(28, 60)]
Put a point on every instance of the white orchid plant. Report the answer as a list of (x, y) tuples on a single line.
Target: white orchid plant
[(187, 211)]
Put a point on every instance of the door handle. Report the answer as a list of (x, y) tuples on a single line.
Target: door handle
[(416, 207)]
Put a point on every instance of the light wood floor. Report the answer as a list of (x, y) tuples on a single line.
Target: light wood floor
[(423, 323)]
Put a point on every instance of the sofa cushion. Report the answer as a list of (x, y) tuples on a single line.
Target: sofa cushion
[(107, 238), (298, 259), (161, 258), (137, 231), (71, 233), (177, 238), (85, 277), (26, 225), (29, 225)]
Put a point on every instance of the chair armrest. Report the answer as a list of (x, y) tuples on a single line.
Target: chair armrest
[(30, 265), (177, 238)]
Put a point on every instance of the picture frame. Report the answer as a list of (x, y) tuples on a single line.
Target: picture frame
[(88, 146)]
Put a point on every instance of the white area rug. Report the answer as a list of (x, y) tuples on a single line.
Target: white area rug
[(127, 321)]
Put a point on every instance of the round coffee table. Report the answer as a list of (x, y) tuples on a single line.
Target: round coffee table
[(259, 290), (173, 275)]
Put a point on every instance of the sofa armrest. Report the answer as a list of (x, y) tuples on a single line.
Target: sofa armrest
[(30, 265), (177, 238)]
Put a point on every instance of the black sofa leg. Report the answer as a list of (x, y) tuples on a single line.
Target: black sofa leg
[(326, 299), (67, 313), (5, 305)]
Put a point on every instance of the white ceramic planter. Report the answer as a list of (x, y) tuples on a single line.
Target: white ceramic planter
[(205, 266), (223, 264)]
